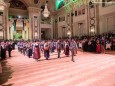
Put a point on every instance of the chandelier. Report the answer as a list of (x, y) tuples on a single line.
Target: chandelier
[(46, 12), (2, 4)]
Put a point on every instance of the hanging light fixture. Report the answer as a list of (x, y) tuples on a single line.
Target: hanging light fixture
[(46, 12), (2, 5)]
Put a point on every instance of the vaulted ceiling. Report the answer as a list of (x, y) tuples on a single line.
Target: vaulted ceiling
[(36, 3)]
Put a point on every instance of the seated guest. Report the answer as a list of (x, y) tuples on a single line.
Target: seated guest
[(108, 45)]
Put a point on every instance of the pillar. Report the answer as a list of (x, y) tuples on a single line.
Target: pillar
[(34, 23), (6, 26), (93, 18), (52, 27)]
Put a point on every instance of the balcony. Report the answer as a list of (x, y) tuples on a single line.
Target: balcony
[(46, 24)]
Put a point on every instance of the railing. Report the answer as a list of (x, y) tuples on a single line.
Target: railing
[(45, 22)]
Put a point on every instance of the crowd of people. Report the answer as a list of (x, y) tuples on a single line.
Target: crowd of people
[(98, 43), (5, 49), (35, 48)]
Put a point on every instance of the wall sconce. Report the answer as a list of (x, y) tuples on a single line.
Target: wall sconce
[(36, 34), (92, 30), (1, 8)]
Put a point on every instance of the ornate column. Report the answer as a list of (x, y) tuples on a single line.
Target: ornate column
[(34, 23), (1, 25), (5, 15), (52, 27), (7, 21), (56, 27), (93, 18)]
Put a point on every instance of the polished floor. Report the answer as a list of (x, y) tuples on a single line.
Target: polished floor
[(89, 69)]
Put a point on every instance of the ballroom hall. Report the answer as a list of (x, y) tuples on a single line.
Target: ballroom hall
[(57, 43)]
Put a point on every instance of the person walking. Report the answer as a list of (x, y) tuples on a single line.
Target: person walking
[(58, 46), (73, 49), (9, 48), (66, 48), (36, 54), (46, 50)]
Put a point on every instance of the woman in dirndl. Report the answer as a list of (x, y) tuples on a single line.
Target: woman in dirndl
[(66, 48), (36, 54), (98, 47)]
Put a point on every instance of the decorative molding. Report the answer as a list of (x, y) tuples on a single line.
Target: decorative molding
[(33, 10)]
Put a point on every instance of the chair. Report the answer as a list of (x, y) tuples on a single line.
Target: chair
[(108, 46)]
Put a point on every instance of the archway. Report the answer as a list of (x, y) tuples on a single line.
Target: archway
[(18, 20)]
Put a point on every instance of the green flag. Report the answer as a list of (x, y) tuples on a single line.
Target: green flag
[(15, 25)]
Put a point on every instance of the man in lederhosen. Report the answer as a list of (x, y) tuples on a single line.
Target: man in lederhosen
[(58, 46), (46, 50), (71, 47)]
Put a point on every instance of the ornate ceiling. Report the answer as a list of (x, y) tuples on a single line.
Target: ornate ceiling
[(36, 3)]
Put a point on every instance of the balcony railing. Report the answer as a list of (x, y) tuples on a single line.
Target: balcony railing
[(45, 22)]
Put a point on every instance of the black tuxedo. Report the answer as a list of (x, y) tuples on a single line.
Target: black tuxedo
[(3, 52), (9, 48)]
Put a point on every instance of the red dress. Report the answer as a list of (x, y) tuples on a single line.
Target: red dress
[(36, 54), (98, 48)]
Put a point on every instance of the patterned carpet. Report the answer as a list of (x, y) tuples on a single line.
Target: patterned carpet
[(88, 70)]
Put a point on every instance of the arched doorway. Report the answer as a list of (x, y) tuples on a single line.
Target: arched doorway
[(18, 20)]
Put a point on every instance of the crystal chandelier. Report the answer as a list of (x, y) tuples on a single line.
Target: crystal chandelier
[(2, 4), (46, 12)]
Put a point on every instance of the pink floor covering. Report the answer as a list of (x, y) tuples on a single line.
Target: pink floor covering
[(88, 70)]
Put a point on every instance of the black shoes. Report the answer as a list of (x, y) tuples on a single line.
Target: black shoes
[(73, 60)]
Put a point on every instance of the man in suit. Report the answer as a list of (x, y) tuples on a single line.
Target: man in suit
[(9, 47), (3, 51)]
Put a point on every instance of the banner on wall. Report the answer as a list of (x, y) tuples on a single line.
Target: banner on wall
[(15, 24), (23, 25)]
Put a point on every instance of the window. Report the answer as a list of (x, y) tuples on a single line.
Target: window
[(103, 3), (106, 3), (76, 13), (61, 18), (79, 12), (36, 1), (83, 11)]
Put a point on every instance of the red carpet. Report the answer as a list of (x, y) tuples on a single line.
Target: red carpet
[(87, 70)]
